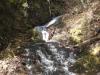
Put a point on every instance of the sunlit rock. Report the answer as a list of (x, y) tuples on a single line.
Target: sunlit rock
[(95, 50)]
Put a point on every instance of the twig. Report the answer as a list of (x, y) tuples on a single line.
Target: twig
[(89, 41), (49, 7)]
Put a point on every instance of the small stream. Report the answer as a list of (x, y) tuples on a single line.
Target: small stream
[(54, 60)]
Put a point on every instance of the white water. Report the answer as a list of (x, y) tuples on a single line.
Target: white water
[(53, 21), (28, 62), (58, 62), (43, 29), (55, 60), (45, 35)]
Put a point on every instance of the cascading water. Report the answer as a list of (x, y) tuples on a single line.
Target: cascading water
[(55, 60), (28, 61)]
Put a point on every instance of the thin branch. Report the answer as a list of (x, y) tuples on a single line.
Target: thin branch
[(49, 7)]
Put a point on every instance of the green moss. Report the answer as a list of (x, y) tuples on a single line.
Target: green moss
[(7, 54), (76, 34), (95, 50), (35, 35), (87, 63)]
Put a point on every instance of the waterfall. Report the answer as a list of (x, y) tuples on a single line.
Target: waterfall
[(45, 35), (28, 62), (43, 29), (55, 60), (53, 21)]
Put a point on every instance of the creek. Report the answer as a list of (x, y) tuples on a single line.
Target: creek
[(54, 60)]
